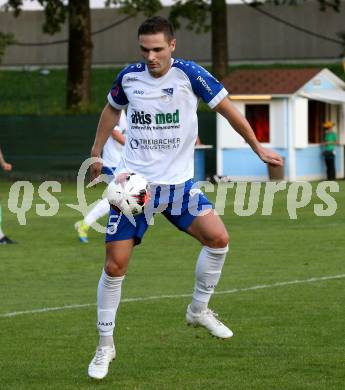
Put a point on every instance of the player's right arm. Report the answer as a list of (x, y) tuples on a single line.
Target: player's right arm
[(118, 136), (120, 129), (109, 117), (111, 114), (4, 165), (215, 95), (242, 126)]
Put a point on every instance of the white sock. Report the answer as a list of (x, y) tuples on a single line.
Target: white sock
[(106, 341), (102, 208), (197, 306), (108, 299), (208, 270)]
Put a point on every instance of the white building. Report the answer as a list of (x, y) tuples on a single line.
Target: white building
[(286, 108)]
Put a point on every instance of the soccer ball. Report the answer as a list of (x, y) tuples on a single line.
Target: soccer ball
[(128, 193)]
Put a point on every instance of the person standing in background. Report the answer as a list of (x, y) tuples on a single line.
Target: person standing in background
[(329, 142), (6, 167)]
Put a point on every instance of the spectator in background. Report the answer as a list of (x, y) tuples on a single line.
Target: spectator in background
[(6, 167), (329, 142)]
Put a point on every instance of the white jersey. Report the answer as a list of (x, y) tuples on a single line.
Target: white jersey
[(112, 149), (162, 118)]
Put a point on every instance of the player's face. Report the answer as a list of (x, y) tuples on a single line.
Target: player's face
[(156, 51)]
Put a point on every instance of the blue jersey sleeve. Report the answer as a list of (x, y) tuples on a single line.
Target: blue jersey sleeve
[(204, 85), (116, 96)]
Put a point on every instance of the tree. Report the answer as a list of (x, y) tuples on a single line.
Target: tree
[(5, 40), (133, 7), (79, 54), (79, 44), (219, 38), (197, 13)]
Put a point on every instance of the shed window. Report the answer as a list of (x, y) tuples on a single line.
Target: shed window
[(258, 116), (316, 116)]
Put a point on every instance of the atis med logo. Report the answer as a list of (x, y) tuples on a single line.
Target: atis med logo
[(140, 117)]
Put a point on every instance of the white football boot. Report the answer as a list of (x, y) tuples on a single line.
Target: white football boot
[(208, 319), (98, 368)]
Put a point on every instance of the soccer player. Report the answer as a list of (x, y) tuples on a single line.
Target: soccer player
[(6, 167), (112, 151), (161, 95)]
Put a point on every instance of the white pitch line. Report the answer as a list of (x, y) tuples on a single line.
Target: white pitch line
[(157, 297)]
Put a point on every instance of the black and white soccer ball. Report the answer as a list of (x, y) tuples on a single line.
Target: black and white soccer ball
[(128, 193)]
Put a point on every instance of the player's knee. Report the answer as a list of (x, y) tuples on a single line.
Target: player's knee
[(223, 240), (114, 268), (220, 241)]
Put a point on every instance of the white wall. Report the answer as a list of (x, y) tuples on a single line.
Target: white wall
[(278, 123), (341, 130), (227, 137), (300, 122)]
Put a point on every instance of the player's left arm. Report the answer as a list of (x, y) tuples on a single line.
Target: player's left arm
[(242, 126)]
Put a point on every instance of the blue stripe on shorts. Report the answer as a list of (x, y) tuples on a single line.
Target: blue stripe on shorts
[(180, 204)]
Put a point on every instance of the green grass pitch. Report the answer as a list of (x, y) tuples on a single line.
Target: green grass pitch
[(288, 336)]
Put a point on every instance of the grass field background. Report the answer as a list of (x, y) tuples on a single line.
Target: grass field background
[(286, 337)]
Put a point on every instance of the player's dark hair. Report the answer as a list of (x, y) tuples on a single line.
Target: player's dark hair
[(155, 25)]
